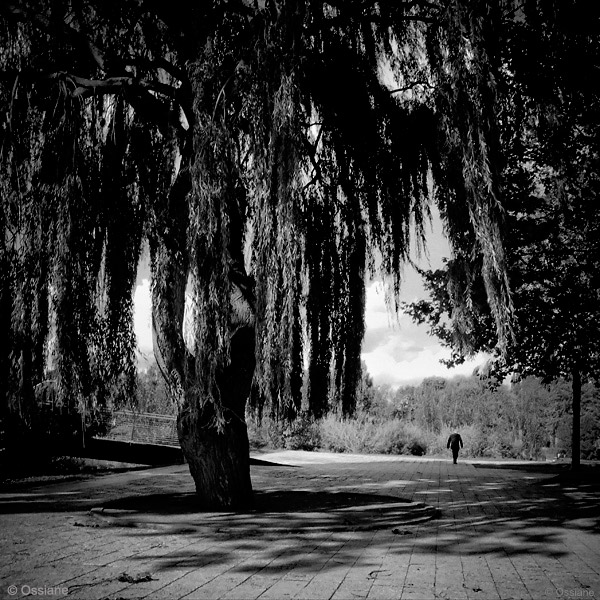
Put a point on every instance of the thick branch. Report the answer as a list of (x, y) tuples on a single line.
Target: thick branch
[(140, 93), (159, 63), (169, 265), (83, 87), (312, 151)]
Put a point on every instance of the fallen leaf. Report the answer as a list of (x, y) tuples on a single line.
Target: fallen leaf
[(126, 578)]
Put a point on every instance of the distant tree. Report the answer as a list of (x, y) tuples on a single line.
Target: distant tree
[(366, 396), (403, 402), (535, 415), (590, 422), (151, 392), (554, 263), (427, 400), (552, 227)]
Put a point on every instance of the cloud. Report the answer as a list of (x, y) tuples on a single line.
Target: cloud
[(375, 338), (142, 315), (396, 350), (397, 363)]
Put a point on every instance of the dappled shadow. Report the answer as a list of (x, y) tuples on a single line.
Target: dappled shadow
[(460, 514), (283, 530), (259, 462), (47, 501), (272, 512), (83, 492), (534, 467), (263, 502), (518, 514), (334, 513)]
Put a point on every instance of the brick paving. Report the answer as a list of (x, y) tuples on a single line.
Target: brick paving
[(324, 526)]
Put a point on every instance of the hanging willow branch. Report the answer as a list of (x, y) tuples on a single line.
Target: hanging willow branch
[(187, 129)]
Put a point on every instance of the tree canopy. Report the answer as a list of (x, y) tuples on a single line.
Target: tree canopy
[(198, 128), (271, 153)]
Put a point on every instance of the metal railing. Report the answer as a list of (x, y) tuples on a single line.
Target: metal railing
[(121, 425), (147, 428)]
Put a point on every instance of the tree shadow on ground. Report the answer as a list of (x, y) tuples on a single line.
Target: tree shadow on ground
[(517, 516), (311, 531), (327, 524), (284, 529), (273, 513), (263, 502), (562, 468)]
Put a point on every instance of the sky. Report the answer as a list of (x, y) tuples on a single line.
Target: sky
[(396, 351), (399, 352)]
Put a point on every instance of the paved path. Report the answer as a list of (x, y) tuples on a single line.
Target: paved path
[(325, 526)]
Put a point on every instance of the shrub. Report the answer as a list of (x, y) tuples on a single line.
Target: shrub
[(399, 437), (365, 436), (476, 441), (478, 444), (302, 434), (344, 435), (390, 438), (257, 434), (504, 446)]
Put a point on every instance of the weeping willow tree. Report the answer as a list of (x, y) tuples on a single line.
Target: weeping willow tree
[(272, 154)]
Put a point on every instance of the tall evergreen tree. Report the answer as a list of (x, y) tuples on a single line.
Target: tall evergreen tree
[(272, 153)]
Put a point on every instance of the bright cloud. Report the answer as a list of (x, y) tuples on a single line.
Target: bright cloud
[(395, 349), (398, 362), (142, 315)]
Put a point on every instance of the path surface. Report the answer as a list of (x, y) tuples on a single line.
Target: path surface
[(325, 526)]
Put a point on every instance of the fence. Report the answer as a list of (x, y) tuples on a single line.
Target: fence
[(147, 428)]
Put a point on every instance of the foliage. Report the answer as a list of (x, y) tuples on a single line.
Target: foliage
[(151, 392), (528, 420), (48, 467), (551, 131), (519, 421), (346, 435), (211, 130), (302, 434)]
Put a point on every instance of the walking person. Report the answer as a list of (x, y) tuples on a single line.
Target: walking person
[(455, 442)]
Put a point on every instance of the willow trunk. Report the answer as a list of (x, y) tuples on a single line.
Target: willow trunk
[(219, 457)]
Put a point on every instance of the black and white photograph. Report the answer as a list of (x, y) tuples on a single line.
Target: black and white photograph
[(300, 299)]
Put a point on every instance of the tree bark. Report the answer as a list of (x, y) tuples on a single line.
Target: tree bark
[(219, 458), (576, 436)]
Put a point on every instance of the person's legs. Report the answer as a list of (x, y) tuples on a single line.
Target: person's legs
[(454, 454)]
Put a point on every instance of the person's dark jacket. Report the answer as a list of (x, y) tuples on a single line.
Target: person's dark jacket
[(454, 441)]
